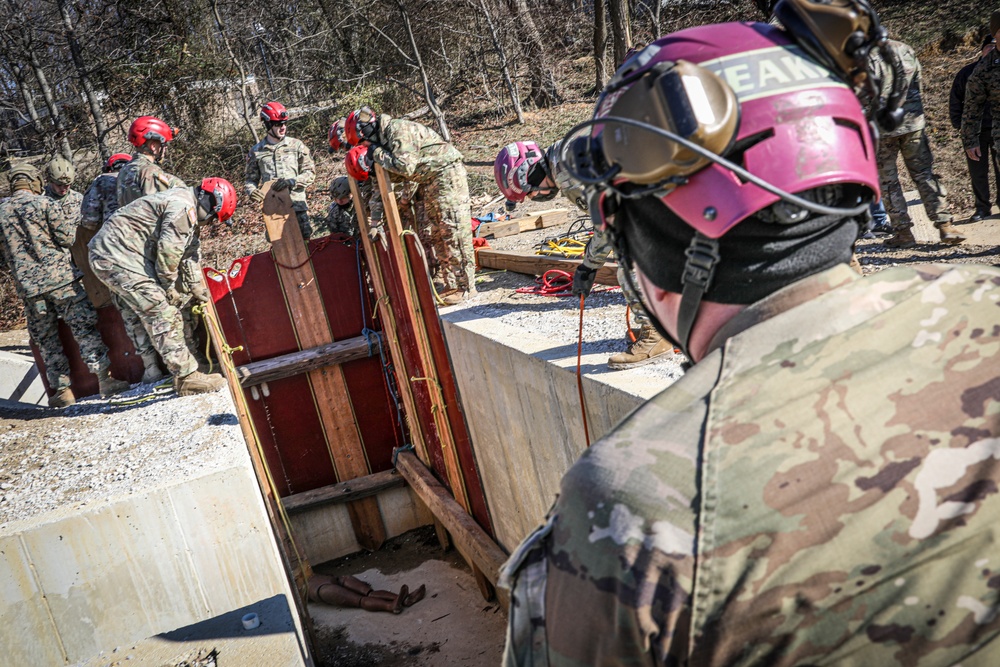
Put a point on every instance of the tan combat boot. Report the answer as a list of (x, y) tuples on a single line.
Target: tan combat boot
[(152, 372), (198, 383), (949, 235), (901, 238), (108, 385), (649, 346), (62, 398)]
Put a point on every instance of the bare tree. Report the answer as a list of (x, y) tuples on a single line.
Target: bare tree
[(621, 30), (504, 66), (424, 78), (544, 91), (245, 101), (82, 73), (600, 46)]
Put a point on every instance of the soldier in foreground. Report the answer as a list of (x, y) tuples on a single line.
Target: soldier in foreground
[(910, 141), (418, 157), (36, 238), (979, 170), (522, 171), (807, 493), (139, 253), (283, 159)]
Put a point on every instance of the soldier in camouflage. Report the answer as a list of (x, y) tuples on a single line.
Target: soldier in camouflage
[(36, 237), (59, 177), (101, 198), (341, 217), (807, 494), (285, 160), (910, 141), (139, 254), (982, 90), (522, 170), (435, 185)]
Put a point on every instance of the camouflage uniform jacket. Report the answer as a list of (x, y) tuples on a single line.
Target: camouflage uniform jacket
[(342, 219), (983, 87), (807, 494), (411, 150), (99, 201), (69, 203), (153, 235), (36, 239), (913, 105), (289, 158), (141, 177)]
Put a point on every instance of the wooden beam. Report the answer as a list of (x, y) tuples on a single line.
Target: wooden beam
[(296, 363), (470, 538), (543, 219), (343, 492), (312, 329), (499, 229), (536, 265)]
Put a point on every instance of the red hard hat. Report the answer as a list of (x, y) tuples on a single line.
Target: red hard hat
[(359, 125), (355, 163), (113, 161), (336, 135), (273, 112), (149, 127), (224, 194)]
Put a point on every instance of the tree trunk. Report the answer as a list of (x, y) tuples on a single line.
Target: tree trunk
[(600, 46), (621, 29), (100, 126), (428, 91), (544, 91), (29, 105), (245, 99), (504, 66), (50, 101)]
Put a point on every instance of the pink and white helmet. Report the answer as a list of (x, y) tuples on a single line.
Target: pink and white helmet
[(799, 126), (511, 168)]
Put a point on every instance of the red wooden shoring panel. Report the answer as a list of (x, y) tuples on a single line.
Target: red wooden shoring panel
[(125, 365), (456, 418), (297, 450), (336, 267)]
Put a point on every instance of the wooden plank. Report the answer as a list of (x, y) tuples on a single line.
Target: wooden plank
[(471, 539), (389, 330), (416, 315), (333, 403), (499, 229), (343, 492), (543, 219), (536, 265), (296, 363)]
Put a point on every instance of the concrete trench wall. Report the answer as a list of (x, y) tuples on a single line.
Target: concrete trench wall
[(79, 581), (521, 401)]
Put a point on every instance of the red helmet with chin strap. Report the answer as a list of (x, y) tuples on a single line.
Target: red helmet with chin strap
[(224, 196), (117, 161), (357, 163), (336, 135), (144, 128), (273, 112), (360, 125)]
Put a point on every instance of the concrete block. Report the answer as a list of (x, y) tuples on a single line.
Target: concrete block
[(20, 381)]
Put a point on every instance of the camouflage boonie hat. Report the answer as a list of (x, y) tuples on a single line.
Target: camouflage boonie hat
[(340, 188), (60, 171)]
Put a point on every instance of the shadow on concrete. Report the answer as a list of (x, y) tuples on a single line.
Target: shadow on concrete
[(274, 614)]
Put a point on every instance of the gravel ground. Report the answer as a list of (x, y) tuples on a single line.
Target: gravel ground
[(100, 449)]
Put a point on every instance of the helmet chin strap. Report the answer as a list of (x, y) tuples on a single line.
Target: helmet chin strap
[(699, 269)]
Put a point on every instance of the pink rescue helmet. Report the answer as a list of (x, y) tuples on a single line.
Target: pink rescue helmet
[(511, 167)]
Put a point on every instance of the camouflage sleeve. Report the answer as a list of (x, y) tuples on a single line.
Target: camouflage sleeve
[(598, 249), (972, 113), (62, 227), (396, 159), (190, 269), (307, 168), (156, 180), (252, 177), (177, 228), (91, 211), (375, 208)]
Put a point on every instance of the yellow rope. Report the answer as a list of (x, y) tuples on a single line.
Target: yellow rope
[(564, 247)]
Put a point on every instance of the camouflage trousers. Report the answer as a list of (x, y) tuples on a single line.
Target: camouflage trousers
[(445, 229), (596, 254), (71, 305), (162, 321), (137, 333), (916, 152)]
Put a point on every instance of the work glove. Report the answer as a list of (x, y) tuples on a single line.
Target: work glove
[(583, 280), (175, 298), (200, 293), (283, 183), (375, 229), (257, 196)]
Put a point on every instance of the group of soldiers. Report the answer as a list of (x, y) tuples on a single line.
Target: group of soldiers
[(143, 228)]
